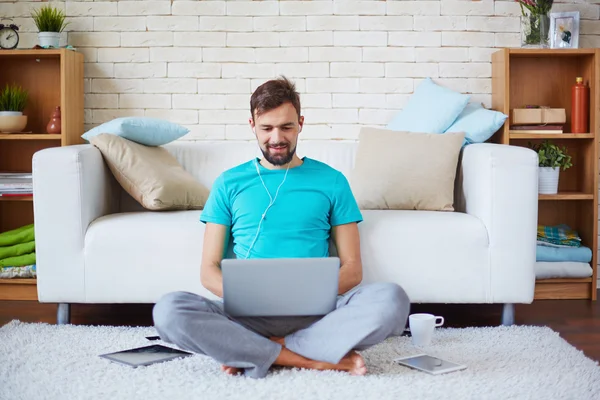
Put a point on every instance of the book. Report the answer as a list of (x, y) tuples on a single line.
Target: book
[(535, 132), (545, 127)]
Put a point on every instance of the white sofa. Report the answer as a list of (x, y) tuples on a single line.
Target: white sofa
[(95, 244)]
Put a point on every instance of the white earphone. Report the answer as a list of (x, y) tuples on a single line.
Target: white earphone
[(271, 202)]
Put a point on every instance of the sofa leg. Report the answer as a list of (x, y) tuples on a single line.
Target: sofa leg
[(63, 314), (508, 314)]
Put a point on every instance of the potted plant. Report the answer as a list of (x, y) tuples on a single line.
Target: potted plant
[(13, 100), (551, 160), (50, 23)]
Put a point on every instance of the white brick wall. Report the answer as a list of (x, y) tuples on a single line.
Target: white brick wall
[(355, 62)]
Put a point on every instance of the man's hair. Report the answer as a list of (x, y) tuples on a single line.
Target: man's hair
[(272, 94)]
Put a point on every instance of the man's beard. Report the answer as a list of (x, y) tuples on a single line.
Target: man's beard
[(279, 159)]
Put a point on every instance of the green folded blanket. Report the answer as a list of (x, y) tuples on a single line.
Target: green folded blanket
[(18, 261), (23, 234), (17, 250)]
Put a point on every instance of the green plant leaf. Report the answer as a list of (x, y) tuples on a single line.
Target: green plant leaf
[(13, 98), (551, 155), (49, 19)]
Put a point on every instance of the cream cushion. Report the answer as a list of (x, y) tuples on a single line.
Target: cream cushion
[(396, 170), (151, 175)]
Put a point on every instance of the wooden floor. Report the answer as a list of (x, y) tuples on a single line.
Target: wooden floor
[(577, 321)]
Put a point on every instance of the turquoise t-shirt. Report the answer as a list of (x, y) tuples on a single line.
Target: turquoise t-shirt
[(313, 198)]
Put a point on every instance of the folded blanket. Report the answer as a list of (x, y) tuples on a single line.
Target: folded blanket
[(566, 269), (17, 250), (539, 242), (552, 253), (560, 234), (27, 271), (18, 261), (23, 234)]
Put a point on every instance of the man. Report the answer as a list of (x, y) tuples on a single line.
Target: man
[(276, 207)]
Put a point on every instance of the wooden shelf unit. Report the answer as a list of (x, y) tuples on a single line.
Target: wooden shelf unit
[(53, 78), (30, 136), (552, 136), (544, 77)]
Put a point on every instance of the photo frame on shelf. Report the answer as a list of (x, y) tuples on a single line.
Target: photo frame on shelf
[(564, 30)]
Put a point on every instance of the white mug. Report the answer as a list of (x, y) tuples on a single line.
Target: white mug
[(422, 327)]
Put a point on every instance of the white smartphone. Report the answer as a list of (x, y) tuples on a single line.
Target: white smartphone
[(431, 365)]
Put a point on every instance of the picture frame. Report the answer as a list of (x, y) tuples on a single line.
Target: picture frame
[(564, 30)]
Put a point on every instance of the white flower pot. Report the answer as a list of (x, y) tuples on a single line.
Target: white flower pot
[(49, 39), (548, 180), (10, 113), (12, 121)]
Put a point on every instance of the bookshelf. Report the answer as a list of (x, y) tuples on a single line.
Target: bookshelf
[(53, 77), (545, 77)]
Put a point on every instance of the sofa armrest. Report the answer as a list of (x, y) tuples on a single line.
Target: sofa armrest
[(72, 186), (499, 185)]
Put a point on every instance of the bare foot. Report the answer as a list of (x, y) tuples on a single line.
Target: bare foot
[(353, 363), (231, 370)]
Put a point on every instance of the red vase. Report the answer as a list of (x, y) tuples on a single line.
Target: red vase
[(54, 124), (579, 107)]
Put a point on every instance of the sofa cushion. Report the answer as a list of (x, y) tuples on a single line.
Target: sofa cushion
[(435, 256), (139, 256), (151, 175), (432, 108), (405, 170), (142, 130), (478, 123)]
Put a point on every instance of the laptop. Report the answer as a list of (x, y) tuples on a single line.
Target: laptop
[(280, 286)]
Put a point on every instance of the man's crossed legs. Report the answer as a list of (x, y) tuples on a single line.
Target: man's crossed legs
[(364, 316)]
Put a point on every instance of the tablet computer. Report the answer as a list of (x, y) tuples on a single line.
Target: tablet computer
[(431, 365), (143, 356)]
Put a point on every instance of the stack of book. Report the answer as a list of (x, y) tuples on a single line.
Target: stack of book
[(537, 129), (16, 184)]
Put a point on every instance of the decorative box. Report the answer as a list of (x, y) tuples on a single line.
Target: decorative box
[(540, 115)]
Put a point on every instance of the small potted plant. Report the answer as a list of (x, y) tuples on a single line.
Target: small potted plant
[(13, 100), (552, 159), (50, 23)]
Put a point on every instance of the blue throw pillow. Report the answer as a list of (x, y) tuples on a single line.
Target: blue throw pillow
[(431, 109), (142, 130), (478, 123)]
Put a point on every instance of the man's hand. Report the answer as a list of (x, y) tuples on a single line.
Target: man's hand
[(347, 242), (212, 255)]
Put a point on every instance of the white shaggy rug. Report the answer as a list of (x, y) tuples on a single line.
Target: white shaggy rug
[(42, 361)]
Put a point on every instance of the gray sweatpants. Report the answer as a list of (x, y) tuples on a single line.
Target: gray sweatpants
[(364, 316)]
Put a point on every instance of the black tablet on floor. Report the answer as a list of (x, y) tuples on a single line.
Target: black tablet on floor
[(144, 356)]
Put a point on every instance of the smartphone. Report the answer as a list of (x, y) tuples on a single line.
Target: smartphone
[(431, 365)]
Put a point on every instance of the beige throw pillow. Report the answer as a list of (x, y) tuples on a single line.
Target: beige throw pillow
[(151, 175), (405, 171)]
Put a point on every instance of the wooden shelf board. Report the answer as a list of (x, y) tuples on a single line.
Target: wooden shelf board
[(18, 289), (545, 52), (34, 52), (16, 198), (556, 136), (19, 281), (563, 280), (567, 196), (563, 289), (29, 136)]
